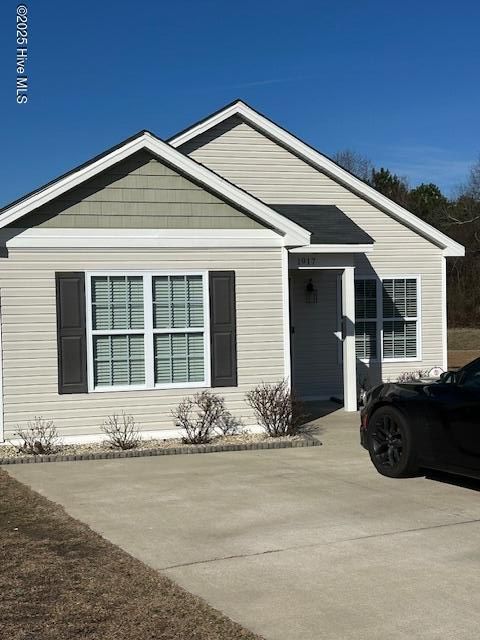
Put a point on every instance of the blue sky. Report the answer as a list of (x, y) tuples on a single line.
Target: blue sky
[(397, 82)]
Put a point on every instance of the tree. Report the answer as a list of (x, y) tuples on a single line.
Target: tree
[(472, 187), (393, 186), (463, 274), (428, 202), (354, 162)]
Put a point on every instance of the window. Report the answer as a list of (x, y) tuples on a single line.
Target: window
[(366, 319), (147, 330), (396, 320), (178, 329), (399, 301)]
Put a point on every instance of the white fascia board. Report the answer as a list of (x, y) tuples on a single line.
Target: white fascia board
[(333, 248), (318, 160), (294, 234), (142, 238), (452, 251)]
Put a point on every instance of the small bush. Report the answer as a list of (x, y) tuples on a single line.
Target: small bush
[(40, 437), (412, 376), (121, 431), (201, 415), (277, 409), (228, 425)]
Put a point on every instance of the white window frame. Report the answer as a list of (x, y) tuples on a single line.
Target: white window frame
[(379, 319), (148, 330)]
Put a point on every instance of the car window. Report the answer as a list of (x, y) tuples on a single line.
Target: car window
[(471, 376)]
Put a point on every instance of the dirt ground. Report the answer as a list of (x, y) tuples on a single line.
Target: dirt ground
[(61, 581), (463, 346)]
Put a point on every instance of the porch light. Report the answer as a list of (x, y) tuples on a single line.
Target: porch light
[(310, 292)]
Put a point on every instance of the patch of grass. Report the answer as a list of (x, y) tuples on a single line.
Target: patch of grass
[(464, 339), (59, 581), (457, 359)]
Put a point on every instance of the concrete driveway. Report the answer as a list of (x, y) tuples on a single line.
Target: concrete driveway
[(294, 544)]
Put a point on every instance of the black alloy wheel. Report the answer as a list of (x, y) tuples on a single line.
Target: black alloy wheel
[(390, 443)]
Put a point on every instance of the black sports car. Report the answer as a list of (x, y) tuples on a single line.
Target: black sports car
[(425, 425)]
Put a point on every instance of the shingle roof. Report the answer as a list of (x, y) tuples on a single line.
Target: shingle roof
[(326, 222)]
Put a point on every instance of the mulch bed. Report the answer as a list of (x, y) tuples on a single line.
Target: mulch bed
[(59, 581), (9, 455)]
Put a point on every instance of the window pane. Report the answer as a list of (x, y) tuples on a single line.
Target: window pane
[(400, 298), (179, 357), (178, 290), (195, 357), (388, 299), (411, 298), (161, 302), (195, 301), (177, 302), (366, 340), (399, 339), (118, 360), (117, 302), (365, 299)]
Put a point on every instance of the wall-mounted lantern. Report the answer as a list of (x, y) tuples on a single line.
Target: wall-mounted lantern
[(310, 292)]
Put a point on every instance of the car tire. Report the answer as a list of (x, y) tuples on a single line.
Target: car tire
[(390, 443)]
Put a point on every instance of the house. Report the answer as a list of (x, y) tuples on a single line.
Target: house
[(233, 253)]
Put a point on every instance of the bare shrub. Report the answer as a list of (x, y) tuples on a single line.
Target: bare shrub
[(201, 415), (412, 376), (40, 437), (229, 425), (277, 409), (121, 431)]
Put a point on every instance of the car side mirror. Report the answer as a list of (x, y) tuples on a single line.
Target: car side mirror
[(448, 377)]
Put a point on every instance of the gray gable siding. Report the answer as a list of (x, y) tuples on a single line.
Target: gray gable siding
[(139, 192)]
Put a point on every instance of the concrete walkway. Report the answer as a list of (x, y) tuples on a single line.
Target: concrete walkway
[(295, 544)]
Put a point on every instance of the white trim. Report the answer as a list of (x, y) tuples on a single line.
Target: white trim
[(142, 238), (321, 261), (324, 164), (333, 248), (287, 365), (444, 315), (148, 331), (338, 332), (294, 234), (349, 356)]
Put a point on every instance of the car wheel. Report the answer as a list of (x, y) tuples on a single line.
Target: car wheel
[(390, 444)]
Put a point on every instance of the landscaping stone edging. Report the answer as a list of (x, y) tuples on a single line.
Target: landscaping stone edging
[(141, 453)]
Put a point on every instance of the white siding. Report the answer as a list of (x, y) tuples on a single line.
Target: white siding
[(250, 160), (29, 334)]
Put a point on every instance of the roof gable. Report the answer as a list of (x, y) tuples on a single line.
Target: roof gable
[(318, 161), (140, 192), (293, 234)]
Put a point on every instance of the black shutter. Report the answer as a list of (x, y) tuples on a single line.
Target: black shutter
[(71, 339), (223, 329)]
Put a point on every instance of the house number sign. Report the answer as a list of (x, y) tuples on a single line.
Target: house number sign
[(306, 261)]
